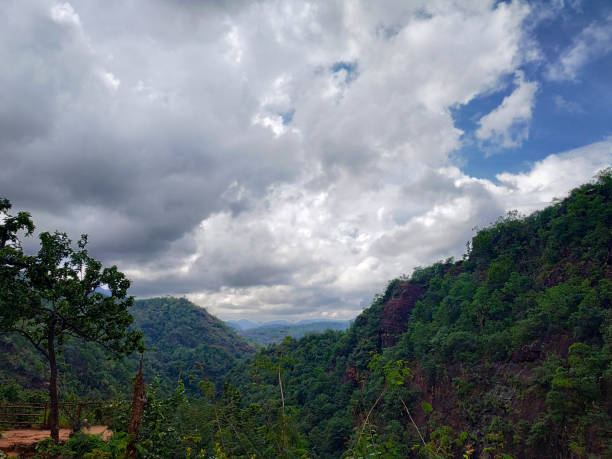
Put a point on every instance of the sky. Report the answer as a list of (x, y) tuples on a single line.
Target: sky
[(286, 159)]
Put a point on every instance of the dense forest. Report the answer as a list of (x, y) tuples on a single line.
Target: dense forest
[(275, 333), (504, 353), (183, 342)]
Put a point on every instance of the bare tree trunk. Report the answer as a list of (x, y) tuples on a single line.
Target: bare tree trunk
[(280, 384), (284, 420), (413, 423), (54, 412), (139, 401)]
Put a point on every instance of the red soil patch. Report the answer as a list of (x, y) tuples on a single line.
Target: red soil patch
[(13, 441), (397, 311)]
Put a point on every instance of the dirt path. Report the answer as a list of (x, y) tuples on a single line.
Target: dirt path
[(13, 441)]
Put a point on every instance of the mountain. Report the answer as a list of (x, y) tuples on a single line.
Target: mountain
[(242, 324), (183, 341), (270, 333), (186, 340), (245, 324), (276, 322), (322, 321), (505, 352)]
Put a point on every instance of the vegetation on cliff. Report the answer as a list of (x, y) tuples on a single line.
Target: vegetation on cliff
[(509, 350)]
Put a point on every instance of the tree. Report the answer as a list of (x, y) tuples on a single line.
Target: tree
[(59, 297), (13, 287), (10, 225)]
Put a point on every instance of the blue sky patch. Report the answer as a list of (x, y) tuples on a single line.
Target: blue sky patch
[(573, 104)]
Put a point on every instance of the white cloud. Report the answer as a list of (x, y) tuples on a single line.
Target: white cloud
[(567, 106), (302, 254), (64, 14), (109, 80), (554, 176), (266, 158), (507, 126), (235, 45), (592, 43)]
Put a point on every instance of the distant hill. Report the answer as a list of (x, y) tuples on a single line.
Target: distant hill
[(242, 324), (183, 339), (271, 333), (187, 340), (245, 324)]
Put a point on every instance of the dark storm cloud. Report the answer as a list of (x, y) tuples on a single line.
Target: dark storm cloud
[(246, 276), (137, 168)]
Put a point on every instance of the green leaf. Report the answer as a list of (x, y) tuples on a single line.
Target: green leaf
[(427, 408)]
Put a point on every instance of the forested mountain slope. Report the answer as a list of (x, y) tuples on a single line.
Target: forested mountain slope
[(183, 341), (505, 352), (186, 341), (275, 333)]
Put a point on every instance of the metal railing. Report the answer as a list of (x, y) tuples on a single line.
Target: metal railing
[(37, 414)]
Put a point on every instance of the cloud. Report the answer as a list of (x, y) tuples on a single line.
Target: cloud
[(110, 81), (263, 158), (592, 43), (567, 106), (64, 14), (141, 169), (302, 253), (349, 261), (554, 176), (507, 126)]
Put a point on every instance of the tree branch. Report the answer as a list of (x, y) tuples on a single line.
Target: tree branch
[(36, 344), (413, 423), (372, 409)]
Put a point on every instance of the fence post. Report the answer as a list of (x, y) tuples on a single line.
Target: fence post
[(79, 414), (45, 417)]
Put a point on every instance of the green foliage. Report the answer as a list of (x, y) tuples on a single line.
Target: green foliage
[(274, 334), (48, 449), (14, 288), (185, 341), (161, 430), (443, 442), (54, 296), (223, 425), (426, 407), (509, 351), (81, 445), (173, 330), (371, 445), (63, 300)]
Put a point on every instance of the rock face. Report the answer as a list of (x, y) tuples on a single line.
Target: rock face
[(396, 312)]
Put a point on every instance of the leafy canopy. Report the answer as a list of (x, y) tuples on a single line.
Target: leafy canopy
[(65, 299)]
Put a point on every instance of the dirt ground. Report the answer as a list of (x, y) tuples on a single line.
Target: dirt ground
[(12, 441)]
